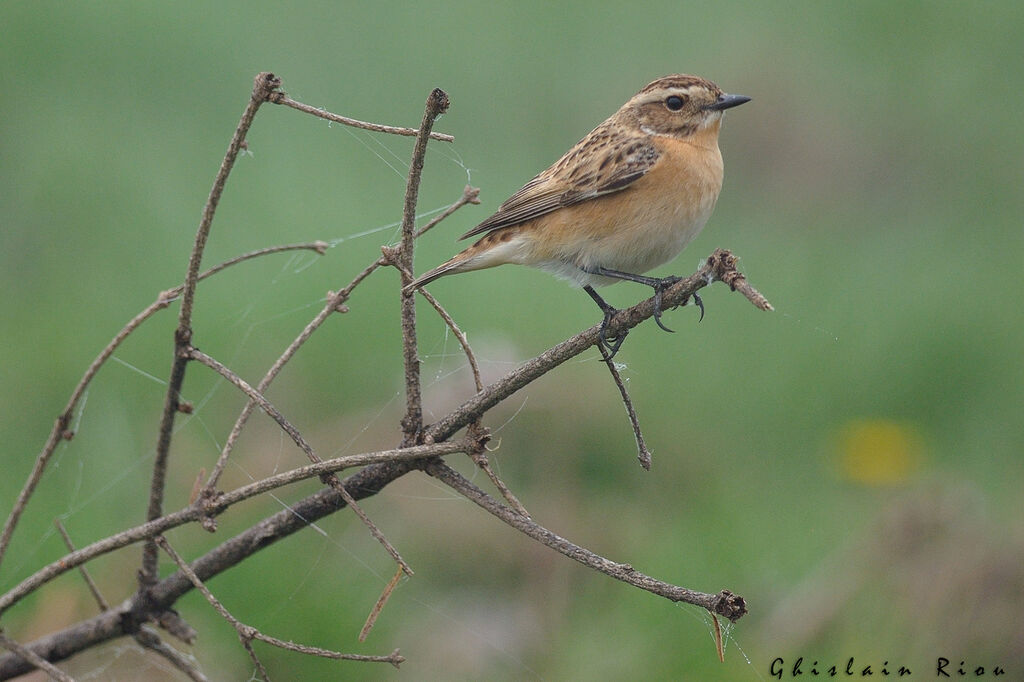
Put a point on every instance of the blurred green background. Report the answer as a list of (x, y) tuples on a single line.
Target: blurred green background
[(851, 464)]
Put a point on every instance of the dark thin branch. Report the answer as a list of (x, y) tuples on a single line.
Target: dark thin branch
[(264, 84), (281, 98), (148, 638), (247, 633), (371, 620), (481, 436), (459, 334), (319, 246), (100, 601), (724, 603), (27, 655), (335, 301), (470, 195), (402, 258), (642, 453)]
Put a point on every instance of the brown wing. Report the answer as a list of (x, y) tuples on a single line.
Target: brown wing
[(596, 165)]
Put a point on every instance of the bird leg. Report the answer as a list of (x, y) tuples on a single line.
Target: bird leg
[(658, 284), (611, 345)]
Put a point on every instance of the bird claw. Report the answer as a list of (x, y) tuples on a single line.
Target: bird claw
[(612, 345), (700, 304), (659, 287)]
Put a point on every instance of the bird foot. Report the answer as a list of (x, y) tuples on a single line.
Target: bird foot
[(659, 286), (613, 344)]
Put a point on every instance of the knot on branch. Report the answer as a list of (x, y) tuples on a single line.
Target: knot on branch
[(395, 658), (722, 266), (337, 299), (183, 340), (390, 254), (731, 606), (174, 624), (477, 437), (165, 297), (208, 504), (264, 88), (438, 102), (471, 195)]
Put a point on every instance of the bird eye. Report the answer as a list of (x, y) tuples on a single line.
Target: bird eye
[(675, 103)]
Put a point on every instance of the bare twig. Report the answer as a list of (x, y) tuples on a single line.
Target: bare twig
[(82, 569), (719, 647), (264, 84), (148, 638), (470, 195), (402, 258), (724, 603), (247, 633), (459, 334), (478, 435), (319, 246), (643, 454), (35, 659), (329, 478), (281, 98), (379, 606)]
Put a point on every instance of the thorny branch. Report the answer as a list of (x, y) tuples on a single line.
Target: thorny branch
[(155, 598)]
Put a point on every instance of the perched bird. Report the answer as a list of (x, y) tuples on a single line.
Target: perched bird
[(625, 199)]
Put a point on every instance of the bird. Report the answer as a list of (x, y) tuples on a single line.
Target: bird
[(625, 199)]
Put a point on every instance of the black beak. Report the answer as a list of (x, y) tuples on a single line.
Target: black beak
[(728, 102)]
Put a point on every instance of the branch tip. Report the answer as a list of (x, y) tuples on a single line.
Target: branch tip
[(731, 606), (264, 86)]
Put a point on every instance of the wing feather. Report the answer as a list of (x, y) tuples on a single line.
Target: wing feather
[(598, 164)]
